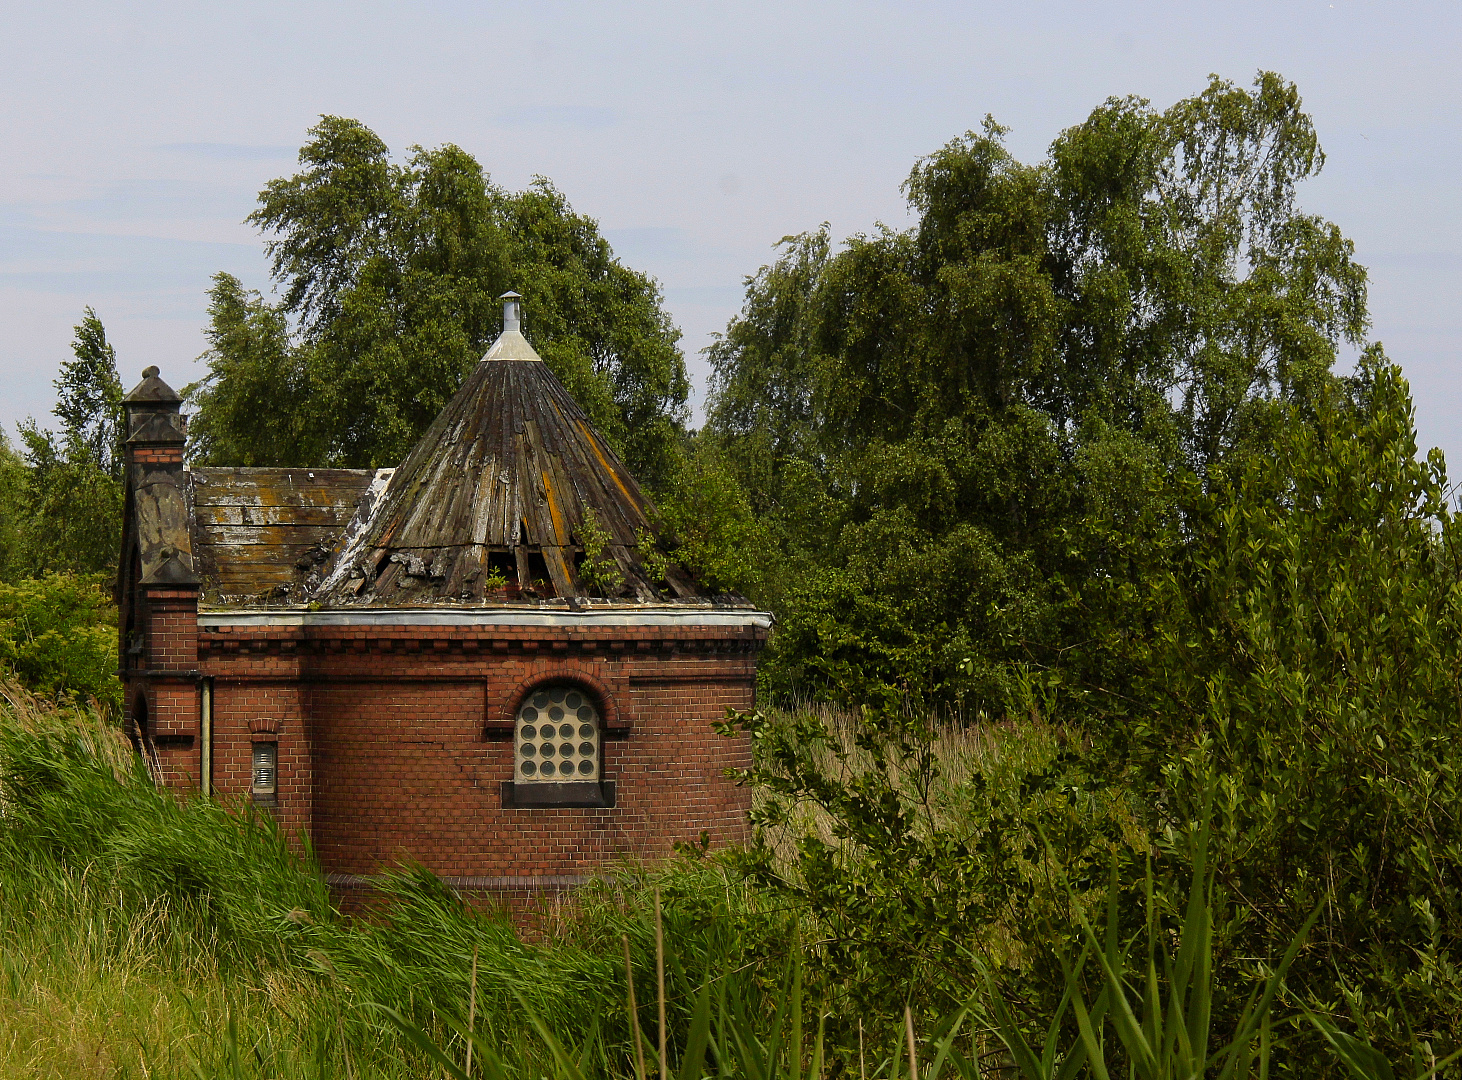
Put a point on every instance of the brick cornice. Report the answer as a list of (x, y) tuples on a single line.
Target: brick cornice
[(471, 644)]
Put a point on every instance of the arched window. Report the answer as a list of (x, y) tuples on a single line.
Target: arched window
[(557, 737)]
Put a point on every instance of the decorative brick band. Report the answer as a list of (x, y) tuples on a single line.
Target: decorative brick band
[(457, 647)]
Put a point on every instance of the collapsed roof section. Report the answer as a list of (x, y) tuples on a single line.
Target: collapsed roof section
[(511, 496)]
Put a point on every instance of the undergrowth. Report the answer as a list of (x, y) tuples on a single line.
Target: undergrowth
[(144, 934)]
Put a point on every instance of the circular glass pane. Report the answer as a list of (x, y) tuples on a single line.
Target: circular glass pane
[(556, 695), (585, 713), (566, 731), (555, 714), (529, 713), (540, 700), (586, 767), (586, 748), (546, 768), (573, 701), (546, 749), (528, 768), (529, 749), (529, 732), (586, 731), (566, 750)]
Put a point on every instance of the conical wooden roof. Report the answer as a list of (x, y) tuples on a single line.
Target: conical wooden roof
[(510, 484)]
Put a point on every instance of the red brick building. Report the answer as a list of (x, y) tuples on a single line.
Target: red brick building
[(482, 660)]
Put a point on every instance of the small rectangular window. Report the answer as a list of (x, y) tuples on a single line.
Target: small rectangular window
[(266, 772)]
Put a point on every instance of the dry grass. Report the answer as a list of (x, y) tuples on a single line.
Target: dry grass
[(998, 751)]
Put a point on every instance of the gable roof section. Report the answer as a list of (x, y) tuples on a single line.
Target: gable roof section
[(259, 534)]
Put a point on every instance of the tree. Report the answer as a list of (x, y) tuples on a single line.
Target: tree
[(392, 274), (72, 492), (90, 393), (1294, 667), (976, 413), (13, 511)]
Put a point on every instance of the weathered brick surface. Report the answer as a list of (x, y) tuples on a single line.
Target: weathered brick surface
[(394, 741)]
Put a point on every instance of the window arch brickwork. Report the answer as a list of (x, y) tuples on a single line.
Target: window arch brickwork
[(504, 717), (582, 785)]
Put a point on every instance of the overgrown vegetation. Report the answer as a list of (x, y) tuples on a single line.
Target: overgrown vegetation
[(1118, 661)]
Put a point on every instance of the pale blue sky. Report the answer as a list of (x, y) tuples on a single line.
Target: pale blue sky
[(137, 135)]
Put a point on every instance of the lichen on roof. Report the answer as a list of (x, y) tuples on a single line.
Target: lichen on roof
[(510, 497), (504, 499)]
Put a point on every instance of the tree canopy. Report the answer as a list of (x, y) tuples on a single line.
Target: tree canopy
[(390, 275), (64, 503), (952, 427)]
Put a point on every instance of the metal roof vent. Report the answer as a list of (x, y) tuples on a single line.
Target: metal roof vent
[(512, 312)]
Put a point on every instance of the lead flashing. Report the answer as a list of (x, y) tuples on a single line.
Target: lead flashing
[(499, 617)]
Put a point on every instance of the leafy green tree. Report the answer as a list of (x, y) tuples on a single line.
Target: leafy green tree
[(710, 524), (70, 513), (391, 273), (13, 511), (89, 403), (252, 405), (952, 403), (1296, 667)]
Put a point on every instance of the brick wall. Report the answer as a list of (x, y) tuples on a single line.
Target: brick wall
[(394, 741), (165, 691)]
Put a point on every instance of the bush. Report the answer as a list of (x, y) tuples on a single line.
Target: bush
[(58, 635)]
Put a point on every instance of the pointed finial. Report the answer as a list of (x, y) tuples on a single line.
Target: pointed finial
[(512, 312)]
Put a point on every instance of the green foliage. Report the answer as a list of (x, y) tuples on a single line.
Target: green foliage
[(90, 398), (710, 525), (933, 423), (1166, 1033), (599, 569), (393, 273), (183, 936), (183, 886), (13, 511), (1309, 656), (72, 518), (1295, 653), (253, 371), (58, 635), (67, 503)]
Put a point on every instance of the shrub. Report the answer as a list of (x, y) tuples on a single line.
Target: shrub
[(58, 635)]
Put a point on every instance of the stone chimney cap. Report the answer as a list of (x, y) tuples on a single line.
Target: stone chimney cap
[(152, 391)]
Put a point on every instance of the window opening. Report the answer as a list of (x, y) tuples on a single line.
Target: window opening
[(504, 564), (266, 770), (557, 737), (538, 572)]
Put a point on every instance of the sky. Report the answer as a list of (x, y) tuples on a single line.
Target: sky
[(137, 136)]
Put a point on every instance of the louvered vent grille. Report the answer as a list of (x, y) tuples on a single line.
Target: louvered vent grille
[(266, 768)]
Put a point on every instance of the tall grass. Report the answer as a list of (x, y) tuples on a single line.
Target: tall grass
[(168, 922), (148, 935)]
